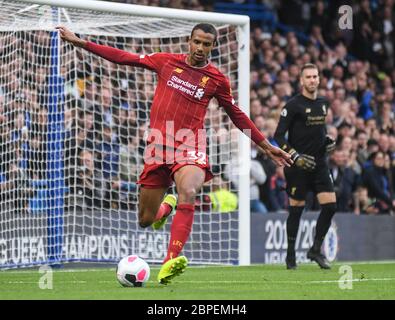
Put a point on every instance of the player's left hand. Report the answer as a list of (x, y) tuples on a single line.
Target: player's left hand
[(278, 156), (330, 144)]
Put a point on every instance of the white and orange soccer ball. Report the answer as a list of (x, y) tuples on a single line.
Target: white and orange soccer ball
[(132, 271)]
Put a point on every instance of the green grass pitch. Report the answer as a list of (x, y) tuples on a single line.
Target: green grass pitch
[(257, 282)]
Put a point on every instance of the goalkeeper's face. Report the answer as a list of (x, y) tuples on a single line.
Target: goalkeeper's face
[(200, 46), (310, 80)]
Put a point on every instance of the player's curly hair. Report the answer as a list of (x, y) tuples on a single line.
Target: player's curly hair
[(207, 28)]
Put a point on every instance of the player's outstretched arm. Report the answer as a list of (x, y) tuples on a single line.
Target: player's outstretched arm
[(244, 123), (111, 54)]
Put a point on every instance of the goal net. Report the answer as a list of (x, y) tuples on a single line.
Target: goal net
[(72, 136)]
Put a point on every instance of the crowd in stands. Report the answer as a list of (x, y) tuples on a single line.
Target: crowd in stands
[(357, 77), (104, 138)]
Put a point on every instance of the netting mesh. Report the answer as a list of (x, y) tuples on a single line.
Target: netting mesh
[(72, 131)]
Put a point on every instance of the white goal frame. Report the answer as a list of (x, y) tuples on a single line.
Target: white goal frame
[(243, 23)]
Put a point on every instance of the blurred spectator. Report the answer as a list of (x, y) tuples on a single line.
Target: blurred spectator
[(106, 109), (376, 179), (220, 199), (373, 146), (257, 177), (362, 147), (277, 196), (364, 204), (129, 160), (91, 189), (15, 189), (107, 151), (345, 181), (127, 124), (124, 185), (122, 195), (270, 129)]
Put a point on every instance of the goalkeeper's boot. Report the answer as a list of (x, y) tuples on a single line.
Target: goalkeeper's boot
[(290, 261), (171, 200), (172, 268), (319, 258)]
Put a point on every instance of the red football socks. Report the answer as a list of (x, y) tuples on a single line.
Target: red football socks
[(164, 210), (180, 229)]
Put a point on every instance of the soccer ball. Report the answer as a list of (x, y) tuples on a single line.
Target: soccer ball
[(132, 271)]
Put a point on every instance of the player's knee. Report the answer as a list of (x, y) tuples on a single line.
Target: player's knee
[(297, 203), (145, 219), (187, 194), (144, 223)]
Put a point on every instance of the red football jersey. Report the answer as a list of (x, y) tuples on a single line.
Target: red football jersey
[(182, 95)]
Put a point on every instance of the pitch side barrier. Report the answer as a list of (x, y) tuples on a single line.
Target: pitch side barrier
[(350, 237)]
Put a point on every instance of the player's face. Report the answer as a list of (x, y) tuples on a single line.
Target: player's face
[(310, 80), (200, 46)]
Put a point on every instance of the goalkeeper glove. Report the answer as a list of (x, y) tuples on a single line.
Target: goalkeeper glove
[(330, 144), (303, 161)]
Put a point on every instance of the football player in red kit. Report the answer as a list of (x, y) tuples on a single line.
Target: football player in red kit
[(175, 147)]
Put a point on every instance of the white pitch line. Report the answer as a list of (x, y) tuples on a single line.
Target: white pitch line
[(222, 281), (285, 281), (229, 281), (58, 270), (336, 281), (35, 282), (276, 281)]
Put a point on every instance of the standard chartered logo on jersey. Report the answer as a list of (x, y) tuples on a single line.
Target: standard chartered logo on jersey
[(276, 241), (186, 87)]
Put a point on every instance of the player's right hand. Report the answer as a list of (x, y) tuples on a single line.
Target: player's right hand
[(69, 36), (305, 162), (278, 156)]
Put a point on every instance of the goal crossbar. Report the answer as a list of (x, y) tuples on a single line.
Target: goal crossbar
[(145, 11)]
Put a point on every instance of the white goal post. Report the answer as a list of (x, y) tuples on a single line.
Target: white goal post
[(63, 109)]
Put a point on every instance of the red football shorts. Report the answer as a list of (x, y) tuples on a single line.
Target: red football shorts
[(161, 175)]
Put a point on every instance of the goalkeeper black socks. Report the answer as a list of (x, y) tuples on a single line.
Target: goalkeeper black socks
[(323, 224), (292, 227)]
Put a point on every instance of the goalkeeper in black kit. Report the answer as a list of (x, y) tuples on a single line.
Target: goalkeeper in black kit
[(303, 117)]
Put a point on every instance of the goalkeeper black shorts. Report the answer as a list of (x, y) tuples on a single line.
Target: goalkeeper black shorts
[(300, 181)]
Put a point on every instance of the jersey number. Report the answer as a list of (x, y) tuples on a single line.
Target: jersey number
[(197, 157)]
